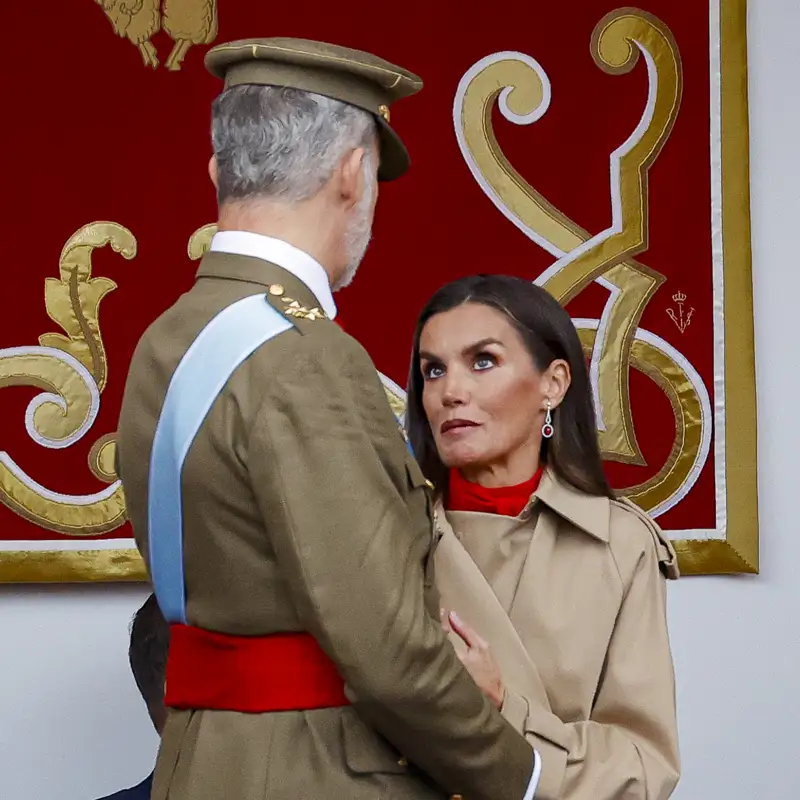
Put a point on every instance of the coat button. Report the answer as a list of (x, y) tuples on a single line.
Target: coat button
[(456, 797), (276, 290), (402, 762)]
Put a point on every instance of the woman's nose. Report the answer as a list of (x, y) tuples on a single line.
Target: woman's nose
[(454, 393)]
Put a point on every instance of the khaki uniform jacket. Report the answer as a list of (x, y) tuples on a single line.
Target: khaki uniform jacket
[(571, 598), (303, 511)]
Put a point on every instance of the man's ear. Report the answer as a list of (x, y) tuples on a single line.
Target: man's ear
[(351, 177), (213, 172)]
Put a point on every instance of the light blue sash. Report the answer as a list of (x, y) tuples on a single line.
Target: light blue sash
[(233, 335)]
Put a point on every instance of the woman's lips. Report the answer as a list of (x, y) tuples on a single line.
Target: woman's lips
[(456, 426)]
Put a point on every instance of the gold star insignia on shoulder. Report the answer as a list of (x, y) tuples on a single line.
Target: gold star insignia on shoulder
[(294, 309)]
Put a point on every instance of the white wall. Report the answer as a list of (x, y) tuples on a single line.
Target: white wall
[(72, 726), (72, 723)]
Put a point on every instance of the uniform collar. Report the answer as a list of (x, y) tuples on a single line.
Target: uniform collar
[(589, 513), (299, 263)]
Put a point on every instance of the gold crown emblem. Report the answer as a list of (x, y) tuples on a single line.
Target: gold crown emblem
[(384, 112), (679, 297)]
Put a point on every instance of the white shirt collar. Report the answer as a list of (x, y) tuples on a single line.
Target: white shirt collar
[(285, 255)]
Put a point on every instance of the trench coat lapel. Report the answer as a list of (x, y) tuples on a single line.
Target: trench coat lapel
[(464, 589)]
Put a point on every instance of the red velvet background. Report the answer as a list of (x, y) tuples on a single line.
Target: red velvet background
[(92, 134)]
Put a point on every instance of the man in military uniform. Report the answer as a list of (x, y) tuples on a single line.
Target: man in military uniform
[(285, 525)]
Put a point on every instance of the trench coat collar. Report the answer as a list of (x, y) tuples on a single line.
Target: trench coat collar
[(589, 513)]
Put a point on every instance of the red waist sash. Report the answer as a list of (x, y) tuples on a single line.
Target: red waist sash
[(255, 674)]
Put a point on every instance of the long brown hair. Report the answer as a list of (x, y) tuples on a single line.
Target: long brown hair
[(573, 453)]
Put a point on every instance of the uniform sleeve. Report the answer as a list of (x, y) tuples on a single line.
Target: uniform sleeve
[(629, 747), (323, 461)]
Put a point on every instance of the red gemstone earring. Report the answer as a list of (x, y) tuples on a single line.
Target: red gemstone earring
[(547, 429)]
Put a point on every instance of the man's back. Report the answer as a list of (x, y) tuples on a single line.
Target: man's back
[(238, 570), (234, 581)]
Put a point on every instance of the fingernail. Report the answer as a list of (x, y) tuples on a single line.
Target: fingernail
[(455, 617)]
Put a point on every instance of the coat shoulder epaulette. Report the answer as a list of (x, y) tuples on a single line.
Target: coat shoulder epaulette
[(667, 558)]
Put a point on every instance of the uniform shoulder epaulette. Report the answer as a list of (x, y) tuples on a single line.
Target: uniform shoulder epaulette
[(293, 308)]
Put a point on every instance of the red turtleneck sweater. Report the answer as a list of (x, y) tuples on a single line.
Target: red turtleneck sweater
[(508, 501)]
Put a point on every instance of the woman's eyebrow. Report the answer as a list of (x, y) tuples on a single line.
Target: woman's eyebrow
[(470, 349), (474, 348)]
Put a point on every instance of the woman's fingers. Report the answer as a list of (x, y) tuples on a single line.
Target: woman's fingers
[(478, 661), (466, 632), (444, 618)]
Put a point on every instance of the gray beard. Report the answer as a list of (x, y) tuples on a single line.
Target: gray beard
[(357, 243), (359, 233)]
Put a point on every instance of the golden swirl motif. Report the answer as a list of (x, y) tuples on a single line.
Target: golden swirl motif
[(73, 299), (200, 241), (71, 369), (610, 358), (522, 89), (67, 405), (676, 384)]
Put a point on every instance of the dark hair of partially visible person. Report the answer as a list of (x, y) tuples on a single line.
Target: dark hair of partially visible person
[(573, 453), (148, 657)]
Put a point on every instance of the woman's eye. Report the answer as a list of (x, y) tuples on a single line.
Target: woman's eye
[(484, 362), (432, 371)]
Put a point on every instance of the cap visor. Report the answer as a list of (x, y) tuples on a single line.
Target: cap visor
[(395, 160)]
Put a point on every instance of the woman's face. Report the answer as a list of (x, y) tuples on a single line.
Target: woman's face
[(483, 396)]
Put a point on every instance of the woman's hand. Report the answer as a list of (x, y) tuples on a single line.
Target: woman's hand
[(478, 659)]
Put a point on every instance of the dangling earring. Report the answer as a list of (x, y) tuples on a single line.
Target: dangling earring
[(547, 429)]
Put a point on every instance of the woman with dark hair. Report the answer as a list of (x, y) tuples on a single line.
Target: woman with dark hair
[(552, 588)]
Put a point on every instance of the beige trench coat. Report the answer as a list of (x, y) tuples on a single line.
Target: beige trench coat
[(571, 598)]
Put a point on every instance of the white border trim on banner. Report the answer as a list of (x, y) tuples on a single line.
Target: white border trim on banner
[(718, 272)]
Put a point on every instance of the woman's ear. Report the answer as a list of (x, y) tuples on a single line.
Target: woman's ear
[(556, 380)]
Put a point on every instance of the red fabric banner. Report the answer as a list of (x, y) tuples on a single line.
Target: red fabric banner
[(606, 136)]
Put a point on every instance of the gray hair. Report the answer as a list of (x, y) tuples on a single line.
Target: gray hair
[(282, 143)]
